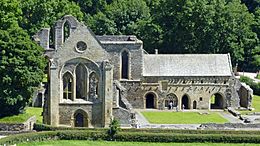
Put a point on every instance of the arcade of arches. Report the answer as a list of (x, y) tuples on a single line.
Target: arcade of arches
[(216, 101)]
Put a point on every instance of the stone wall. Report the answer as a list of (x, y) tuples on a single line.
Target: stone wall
[(229, 126), (67, 111), (135, 57), (198, 89), (123, 115), (26, 126)]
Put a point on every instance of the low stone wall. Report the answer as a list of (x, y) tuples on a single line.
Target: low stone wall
[(215, 126), (26, 126), (123, 115)]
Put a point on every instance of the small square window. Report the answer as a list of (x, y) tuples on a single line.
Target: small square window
[(200, 98)]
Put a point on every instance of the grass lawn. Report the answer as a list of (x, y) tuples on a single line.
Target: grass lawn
[(30, 111), (107, 143), (255, 104), (183, 117)]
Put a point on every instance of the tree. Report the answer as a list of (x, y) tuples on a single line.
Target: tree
[(203, 26), (121, 17), (38, 14), (21, 61)]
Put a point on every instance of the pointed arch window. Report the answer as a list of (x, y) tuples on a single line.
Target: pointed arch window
[(66, 30), (93, 86), (81, 82), (124, 64), (67, 86)]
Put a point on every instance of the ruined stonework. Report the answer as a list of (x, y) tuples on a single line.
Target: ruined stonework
[(93, 79)]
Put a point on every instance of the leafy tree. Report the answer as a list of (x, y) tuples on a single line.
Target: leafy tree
[(120, 17), (21, 61), (38, 14), (91, 6), (203, 26)]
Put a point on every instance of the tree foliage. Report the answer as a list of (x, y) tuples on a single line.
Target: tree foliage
[(39, 14), (21, 61)]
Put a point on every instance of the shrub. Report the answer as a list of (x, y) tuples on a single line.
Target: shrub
[(139, 136), (44, 127), (114, 126)]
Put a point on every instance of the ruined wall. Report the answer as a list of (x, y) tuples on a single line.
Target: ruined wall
[(135, 58), (198, 89)]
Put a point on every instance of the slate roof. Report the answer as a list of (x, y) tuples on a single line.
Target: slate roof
[(187, 65)]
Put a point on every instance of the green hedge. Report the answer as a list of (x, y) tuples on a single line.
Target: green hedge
[(54, 135), (130, 136), (186, 131), (44, 127)]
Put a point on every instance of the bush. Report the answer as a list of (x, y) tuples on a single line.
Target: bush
[(114, 127), (139, 136), (255, 86), (44, 127)]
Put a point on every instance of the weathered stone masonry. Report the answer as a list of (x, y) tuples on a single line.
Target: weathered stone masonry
[(93, 79)]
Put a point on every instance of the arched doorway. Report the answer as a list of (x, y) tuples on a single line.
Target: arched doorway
[(194, 104), (185, 102), (171, 98), (80, 119), (216, 101), (150, 100)]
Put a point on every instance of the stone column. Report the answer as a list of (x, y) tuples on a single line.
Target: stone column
[(108, 93), (54, 96)]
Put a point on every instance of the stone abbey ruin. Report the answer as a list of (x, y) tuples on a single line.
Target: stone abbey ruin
[(92, 79)]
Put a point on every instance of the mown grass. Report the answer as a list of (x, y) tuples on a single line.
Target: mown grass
[(183, 117), (255, 105), (29, 112), (113, 143)]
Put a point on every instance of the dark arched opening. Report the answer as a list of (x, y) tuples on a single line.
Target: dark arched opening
[(185, 102), (124, 65), (81, 81), (194, 104), (216, 101), (171, 98), (66, 30), (67, 86), (79, 120), (150, 100)]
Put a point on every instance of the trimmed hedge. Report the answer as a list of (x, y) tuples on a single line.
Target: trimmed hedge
[(44, 127), (186, 131), (130, 136), (54, 135)]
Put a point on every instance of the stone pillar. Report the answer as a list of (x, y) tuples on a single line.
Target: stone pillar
[(108, 93), (54, 96), (58, 34)]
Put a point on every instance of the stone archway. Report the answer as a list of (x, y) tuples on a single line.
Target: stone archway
[(216, 101), (185, 102), (80, 118), (171, 98), (150, 100)]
